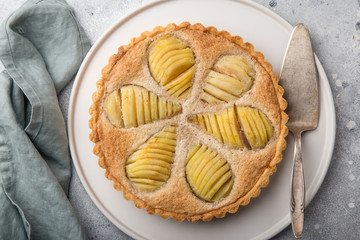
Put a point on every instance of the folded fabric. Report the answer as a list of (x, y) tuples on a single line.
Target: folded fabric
[(41, 48)]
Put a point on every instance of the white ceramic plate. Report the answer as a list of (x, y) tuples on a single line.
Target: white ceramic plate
[(264, 216)]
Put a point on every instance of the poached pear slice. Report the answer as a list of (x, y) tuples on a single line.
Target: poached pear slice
[(208, 174), (171, 63), (133, 106), (149, 167)]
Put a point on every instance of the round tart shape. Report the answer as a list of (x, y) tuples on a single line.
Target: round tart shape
[(188, 122)]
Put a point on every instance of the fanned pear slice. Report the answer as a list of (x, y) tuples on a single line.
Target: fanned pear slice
[(133, 106), (149, 167), (224, 126), (230, 78), (171, 63), (256, 126), (208, 174), (237, 127)]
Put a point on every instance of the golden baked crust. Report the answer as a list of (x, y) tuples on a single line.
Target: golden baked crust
[(251, 168)]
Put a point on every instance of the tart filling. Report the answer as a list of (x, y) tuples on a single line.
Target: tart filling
[(188, 122)]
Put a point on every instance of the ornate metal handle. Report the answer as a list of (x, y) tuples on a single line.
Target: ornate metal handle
[(297, 190)]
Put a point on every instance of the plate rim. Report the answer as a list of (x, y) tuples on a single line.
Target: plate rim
[(277, 227)]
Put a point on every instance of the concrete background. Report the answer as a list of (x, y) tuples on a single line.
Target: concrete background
[(334, 213)]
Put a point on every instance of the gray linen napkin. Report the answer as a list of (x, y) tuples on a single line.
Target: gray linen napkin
[(41, 48)]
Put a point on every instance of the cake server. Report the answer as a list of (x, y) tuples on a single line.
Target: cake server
[(299, 78)]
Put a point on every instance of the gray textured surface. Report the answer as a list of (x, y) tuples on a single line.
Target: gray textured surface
[(334, 213)]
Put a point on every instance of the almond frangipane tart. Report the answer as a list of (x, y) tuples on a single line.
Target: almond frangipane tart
[(188, 122)]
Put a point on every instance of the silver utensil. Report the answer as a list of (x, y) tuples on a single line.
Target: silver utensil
[(299, 78)]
